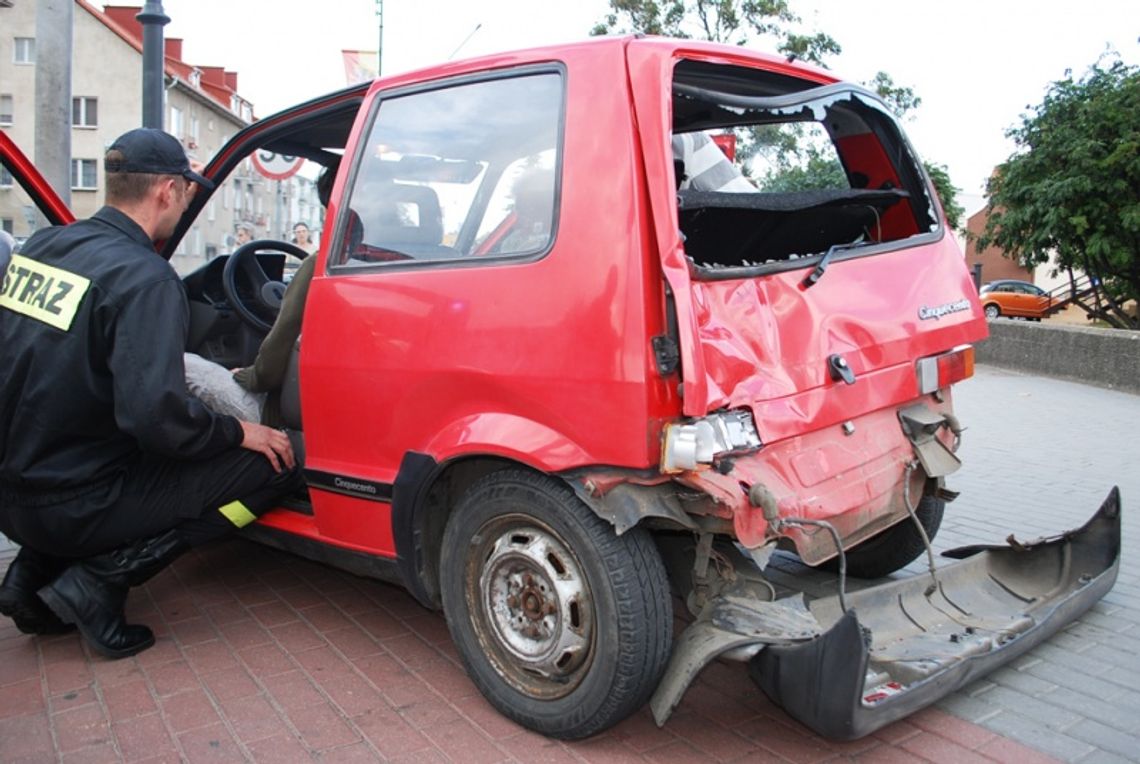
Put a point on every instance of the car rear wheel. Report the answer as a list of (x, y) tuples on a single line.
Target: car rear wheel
[(563, 625), (992, 311), (894, 548)]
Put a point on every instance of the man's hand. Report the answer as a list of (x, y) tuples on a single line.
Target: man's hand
[(273, 444), (197, 167)]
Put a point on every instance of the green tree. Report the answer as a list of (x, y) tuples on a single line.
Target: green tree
[(742, 21), (947, 194), (727, 21), (1072, 187)]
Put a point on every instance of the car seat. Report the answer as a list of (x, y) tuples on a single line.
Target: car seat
[(407, 219)]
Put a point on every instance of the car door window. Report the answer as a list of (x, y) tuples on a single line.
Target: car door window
[(457, 172)]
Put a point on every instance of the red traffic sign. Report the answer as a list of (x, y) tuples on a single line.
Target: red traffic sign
[(276, 166)]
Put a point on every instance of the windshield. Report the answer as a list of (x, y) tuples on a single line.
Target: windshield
[(770, 170)]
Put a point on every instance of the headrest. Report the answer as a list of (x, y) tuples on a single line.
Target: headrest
[(406, 214)]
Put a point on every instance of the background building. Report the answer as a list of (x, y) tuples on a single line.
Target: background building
[(202, 108)]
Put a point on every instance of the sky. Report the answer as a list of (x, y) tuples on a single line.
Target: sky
[(978, 65)]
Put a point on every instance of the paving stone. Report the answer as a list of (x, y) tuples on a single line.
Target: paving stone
[(1067, 678), (1121, 716), (1104, 757), (1105, 738), (1022, 682), (1038, 736)]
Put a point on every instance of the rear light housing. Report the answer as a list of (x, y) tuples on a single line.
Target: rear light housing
[(938, 371), (695, 444)]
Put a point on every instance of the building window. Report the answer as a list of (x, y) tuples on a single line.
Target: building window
[(6, 110), (5, 178), (6, 225), (83, 174), (25, 50), (194, 134), (176, 122), (84, 112)]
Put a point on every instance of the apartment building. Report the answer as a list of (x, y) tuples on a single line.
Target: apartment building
[(202, 108)]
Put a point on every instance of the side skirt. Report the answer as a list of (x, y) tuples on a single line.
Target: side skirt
[(348, 560)]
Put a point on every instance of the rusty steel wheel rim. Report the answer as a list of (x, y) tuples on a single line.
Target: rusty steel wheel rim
[(531, 606)]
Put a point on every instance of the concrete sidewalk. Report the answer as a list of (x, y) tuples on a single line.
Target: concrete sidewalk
[(262, 656)]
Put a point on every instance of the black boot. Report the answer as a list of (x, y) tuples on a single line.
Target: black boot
[(91, 594), (18, 600)]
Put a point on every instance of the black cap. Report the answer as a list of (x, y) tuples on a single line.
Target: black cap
[(148, 150)]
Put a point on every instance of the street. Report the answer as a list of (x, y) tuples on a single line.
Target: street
[(264, 657)]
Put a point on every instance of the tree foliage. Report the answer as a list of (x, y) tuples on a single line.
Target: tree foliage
[(947, 194), (1072, 187), (728, 21), (740, 22)]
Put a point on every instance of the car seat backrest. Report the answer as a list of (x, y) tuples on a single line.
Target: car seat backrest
[(405, 215)]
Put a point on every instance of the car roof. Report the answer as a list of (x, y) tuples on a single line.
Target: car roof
[(999, 282)]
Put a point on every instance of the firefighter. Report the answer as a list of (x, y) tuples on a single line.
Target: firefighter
[(108, 468)]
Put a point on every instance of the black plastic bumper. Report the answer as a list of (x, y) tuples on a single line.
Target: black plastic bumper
[(923, 642)]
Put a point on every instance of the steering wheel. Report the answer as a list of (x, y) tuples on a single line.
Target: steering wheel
[(267, 292)]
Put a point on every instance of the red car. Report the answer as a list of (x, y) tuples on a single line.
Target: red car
[(547, 381)]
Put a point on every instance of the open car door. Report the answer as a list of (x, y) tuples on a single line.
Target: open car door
[(29, 179)]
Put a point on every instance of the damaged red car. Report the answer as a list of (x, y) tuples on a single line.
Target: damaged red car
[(556, 388)]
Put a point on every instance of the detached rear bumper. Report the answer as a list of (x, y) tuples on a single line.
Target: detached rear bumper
[(905, 644)]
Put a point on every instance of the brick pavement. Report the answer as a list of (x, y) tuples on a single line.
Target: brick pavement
[(265, 657)]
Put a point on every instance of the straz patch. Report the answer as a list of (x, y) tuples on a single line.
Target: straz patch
[(42, 292)]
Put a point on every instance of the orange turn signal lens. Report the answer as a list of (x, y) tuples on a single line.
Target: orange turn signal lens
[(938, 371)]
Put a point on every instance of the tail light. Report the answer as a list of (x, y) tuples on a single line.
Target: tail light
[(689, 445), (938, 371)]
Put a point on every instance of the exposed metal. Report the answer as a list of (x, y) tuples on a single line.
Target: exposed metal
[(921, 425), (532, 607)]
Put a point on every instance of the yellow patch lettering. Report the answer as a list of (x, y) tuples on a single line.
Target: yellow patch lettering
[(43, 292)]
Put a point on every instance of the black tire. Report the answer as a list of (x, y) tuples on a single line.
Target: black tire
[(992, 310), (563, 625), (894, 548)]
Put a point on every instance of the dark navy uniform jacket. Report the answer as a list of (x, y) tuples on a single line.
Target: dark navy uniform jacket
[(93, 324)]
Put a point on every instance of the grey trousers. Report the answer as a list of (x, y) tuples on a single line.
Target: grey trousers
[(215, 386)]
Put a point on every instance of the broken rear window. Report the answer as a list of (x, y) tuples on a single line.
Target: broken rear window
[(771, 170)]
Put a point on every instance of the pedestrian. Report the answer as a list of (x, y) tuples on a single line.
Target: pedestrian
[(109, 469), (301, 237), (243, 234)]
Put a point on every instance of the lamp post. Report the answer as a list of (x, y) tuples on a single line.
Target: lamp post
[(153, 19), (380, 41)]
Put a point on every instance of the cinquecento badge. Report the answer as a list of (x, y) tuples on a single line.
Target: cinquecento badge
[(938, 311)]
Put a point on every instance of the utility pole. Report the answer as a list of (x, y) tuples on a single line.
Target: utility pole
[(153, 19), (52, 153), (380, 42)]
